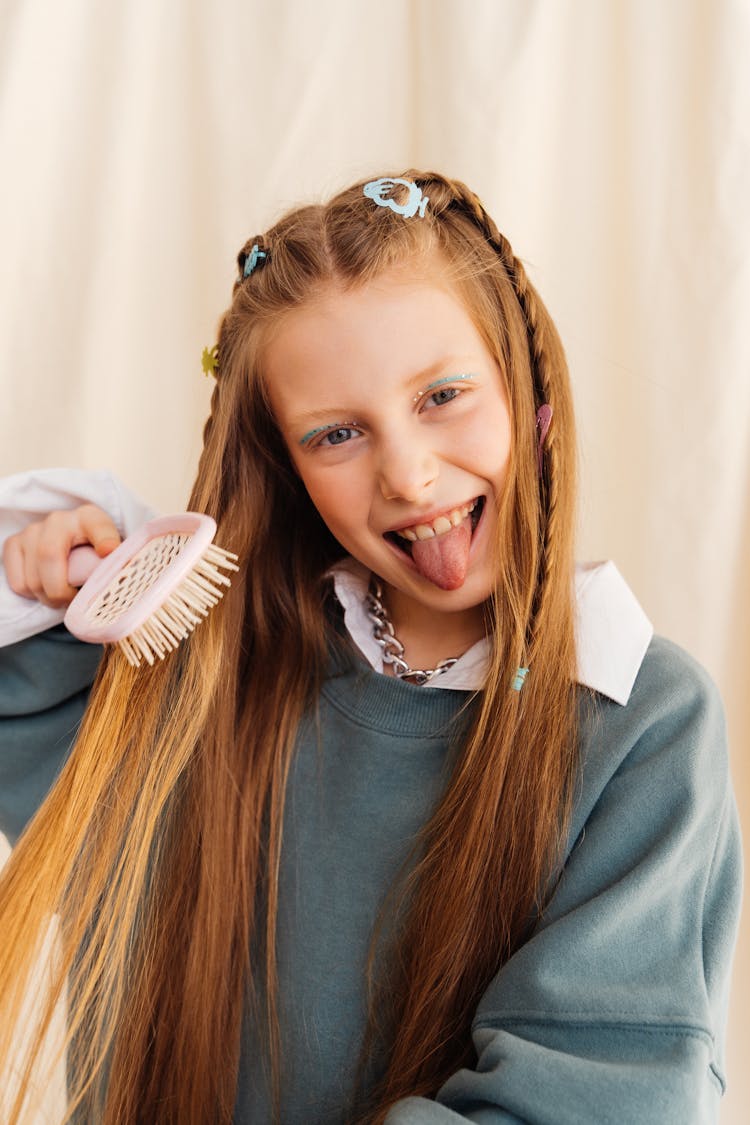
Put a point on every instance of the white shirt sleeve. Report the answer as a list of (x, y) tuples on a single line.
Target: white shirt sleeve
[(30, 496)]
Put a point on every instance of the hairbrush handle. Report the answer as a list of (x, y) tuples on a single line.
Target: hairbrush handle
[(82, 562)]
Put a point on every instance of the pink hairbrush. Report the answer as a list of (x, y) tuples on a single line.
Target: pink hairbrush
[(152, 590)]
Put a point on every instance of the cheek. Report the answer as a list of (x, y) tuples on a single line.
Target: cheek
[(339, 498), (484, 443), (499, 445)]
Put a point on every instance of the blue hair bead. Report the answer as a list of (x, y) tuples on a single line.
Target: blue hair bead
[(520, 676)]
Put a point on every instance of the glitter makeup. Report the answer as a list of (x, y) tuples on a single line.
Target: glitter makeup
[(439, 383)]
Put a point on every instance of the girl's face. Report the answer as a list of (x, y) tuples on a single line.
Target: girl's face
[(396, 419)]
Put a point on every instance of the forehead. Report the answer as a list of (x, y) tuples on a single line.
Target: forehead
[(394, 326)]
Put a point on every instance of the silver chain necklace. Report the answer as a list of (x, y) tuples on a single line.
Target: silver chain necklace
[(393, 650)]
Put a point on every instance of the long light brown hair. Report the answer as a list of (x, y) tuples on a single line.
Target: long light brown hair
[(159, 845)]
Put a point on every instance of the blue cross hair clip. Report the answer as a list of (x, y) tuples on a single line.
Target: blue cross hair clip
[(377, 191), (255, 256)]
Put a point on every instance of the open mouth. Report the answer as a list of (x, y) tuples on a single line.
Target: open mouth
[(406, 537)]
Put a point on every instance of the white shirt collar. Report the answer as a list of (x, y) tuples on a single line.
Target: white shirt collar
[(612, 631)]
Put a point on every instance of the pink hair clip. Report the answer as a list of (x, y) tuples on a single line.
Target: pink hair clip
[(543, 419)]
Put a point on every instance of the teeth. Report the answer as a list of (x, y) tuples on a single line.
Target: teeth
[(438, 526)]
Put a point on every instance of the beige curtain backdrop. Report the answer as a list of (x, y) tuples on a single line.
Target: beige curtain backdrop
[(141, 143)]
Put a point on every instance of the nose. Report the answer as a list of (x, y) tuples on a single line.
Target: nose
[(406, 471)]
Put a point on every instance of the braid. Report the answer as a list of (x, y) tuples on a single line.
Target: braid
[(470, 205), (550, 474), (209, 423), (536, 320), (542, 375), (220, 351), (202, 499)]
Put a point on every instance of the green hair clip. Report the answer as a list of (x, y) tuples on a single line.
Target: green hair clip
[(210, 360)]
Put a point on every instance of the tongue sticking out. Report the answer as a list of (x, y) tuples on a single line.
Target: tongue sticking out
[(444, 559)]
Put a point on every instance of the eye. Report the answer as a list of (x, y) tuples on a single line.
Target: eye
[(443, 391), (339, 436), (336, 435), (441, 396), (445, 394), (330, 435)]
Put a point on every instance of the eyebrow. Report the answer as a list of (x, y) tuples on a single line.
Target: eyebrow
[(317, 415)]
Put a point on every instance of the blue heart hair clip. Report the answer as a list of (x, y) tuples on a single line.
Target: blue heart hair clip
[(377, 191), (254, 258)]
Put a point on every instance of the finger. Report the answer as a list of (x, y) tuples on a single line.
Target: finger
[(60, 532), (47, 554), (22, 552), (45, 566), (97, 528), (14, 566)]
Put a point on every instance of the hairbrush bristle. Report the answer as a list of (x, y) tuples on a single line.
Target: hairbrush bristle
[(185, 608)]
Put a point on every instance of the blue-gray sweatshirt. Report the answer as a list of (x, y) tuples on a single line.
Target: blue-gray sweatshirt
[(613, 1011)]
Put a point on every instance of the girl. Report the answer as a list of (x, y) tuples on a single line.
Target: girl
[(421, 825)]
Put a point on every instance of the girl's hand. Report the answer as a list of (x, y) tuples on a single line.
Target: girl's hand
[(36, 559)]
